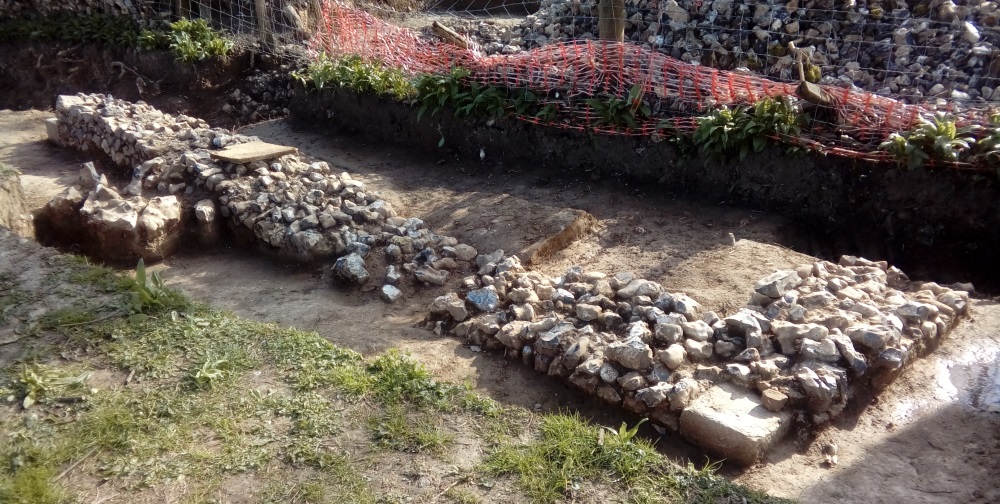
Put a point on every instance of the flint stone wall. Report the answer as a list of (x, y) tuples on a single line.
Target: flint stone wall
[(293, 205), (808, 341)]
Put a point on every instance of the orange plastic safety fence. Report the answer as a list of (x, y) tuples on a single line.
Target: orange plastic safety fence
[(676, 91)]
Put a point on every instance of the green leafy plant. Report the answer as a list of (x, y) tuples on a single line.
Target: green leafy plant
[(356, 74), (479, 100), (149, 294), (434, 92), (618, 112), (37, 383), (190, 40), (523, 101), (938, 139), (742, 129), (210, 373), (548, 112), (722, 132), (904, 152), (154, 40), (987, 148)]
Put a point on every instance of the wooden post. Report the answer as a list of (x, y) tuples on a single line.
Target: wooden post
[(315, 14), (611, 20), (449, 35), (263, 21)]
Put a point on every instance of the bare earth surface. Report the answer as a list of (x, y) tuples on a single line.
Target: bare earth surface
[(931, 438)]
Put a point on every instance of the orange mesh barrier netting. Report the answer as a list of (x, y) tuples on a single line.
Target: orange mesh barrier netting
[(676, 91)]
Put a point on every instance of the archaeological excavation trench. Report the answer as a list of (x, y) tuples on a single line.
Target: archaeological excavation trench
[(766, 311), (811, 341)]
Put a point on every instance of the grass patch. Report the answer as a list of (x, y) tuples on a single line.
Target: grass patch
[(305, 492), (7, 171), (461, 496), (32, 484), (103, 279), (11, 296), (399, 430), (197, 411), (66, 317), (568, 452), (211, 396)]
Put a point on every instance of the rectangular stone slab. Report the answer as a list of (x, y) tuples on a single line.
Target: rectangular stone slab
[(52, 130), (732, 422), (252, 151)]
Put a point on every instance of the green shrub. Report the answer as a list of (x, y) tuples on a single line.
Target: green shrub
[(939, 139), (618, 112), (435, 92), (742, 129), (987, 148), (354, 73), (190, 40)]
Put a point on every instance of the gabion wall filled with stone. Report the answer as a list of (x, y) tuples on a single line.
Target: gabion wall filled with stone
[(806, 342), (918, 49)]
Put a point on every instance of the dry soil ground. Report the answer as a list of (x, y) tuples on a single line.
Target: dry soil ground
[(933, 437)]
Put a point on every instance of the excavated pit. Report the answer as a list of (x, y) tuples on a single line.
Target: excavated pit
[(810, 343), (932, 240)]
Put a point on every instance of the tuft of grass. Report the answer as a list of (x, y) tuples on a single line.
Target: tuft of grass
[(304, 492), (102, 278), (66, 317), (32, 484), (569, 451), (395, 378), (308, 361), (7, 171), (461, 496), (310, 414), (396, 429)]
